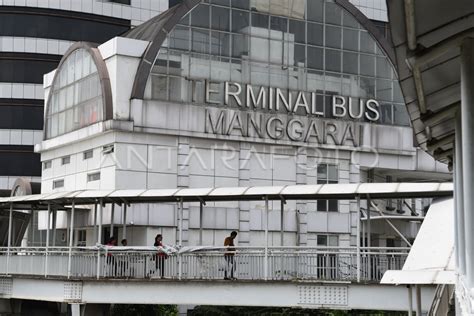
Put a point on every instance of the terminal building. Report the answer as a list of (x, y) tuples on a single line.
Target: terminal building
[(228, 93)]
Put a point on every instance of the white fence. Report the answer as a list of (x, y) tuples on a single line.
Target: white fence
[(276, 263)]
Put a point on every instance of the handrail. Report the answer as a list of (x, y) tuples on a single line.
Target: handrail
[(280, 263)]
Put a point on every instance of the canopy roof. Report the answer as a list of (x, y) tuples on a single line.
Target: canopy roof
[(431, 259), (427, 35), (291, 192)]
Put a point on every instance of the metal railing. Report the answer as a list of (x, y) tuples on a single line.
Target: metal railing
[(209, 263)]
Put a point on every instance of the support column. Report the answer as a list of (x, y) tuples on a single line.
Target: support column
[(200, 221), (358, 239), (418, 300), (71, 237), (99, 233), (282, 222), (48, 223), (459, 232), (410, 301), (9, 242), (467, 125), (124, 221), (112, 215), (94, 219), (244, 206), (180, 222), (99, 237), (55, 217), (77, 309), (180, 236), (265, 262), (302, 171), (184, 153)]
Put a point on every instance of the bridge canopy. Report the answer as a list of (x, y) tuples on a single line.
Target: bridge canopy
[(291, 192)]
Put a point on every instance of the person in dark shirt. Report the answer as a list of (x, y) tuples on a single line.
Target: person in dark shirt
[(229, 255), (160, 256)]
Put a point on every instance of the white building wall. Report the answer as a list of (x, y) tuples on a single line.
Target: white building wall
[(155, 146)]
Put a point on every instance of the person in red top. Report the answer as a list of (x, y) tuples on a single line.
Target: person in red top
[(229, 255), (160, 256), (112, 242)]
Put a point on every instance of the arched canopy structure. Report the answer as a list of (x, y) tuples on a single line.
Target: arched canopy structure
[(322, 45), (80, 94)]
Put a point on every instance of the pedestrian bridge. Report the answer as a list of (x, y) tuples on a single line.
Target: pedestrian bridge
[(322, 277), (282, 264)]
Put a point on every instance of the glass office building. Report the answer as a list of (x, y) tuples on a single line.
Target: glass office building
[(33, 37)]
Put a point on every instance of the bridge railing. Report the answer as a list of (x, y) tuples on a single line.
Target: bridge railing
[(207, 263)]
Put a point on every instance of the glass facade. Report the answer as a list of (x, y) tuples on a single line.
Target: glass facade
[(59, 24), (26, 67), (298, 45), (327, 174), (76, 95)]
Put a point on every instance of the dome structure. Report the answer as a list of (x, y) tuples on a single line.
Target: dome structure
[(326, 47)]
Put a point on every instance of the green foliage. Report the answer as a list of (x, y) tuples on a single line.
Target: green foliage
[(274, 311), (144, 310)]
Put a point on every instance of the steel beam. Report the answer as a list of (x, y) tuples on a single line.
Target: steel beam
[(467, 126), (47, 241), (265, 261), (124, 221), (112, 215), (9, 241), (458, 200), (71, 237), (358, 239), (237, 293)]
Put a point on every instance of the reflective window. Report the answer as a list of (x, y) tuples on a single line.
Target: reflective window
[(26, 67), (21, 114), (19, 160), (310, 45), (76, 95), (327, 174), (59, 24)]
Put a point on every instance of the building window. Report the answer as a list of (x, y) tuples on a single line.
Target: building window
[(59, 24), (81, 238), (327, 174), (76, 99), (66, 160), (290, 45), (108, 149), (47, 164), (58, 184), (127, 2), (93, 176), (88, 154), (327, 240), (26, 67), (389, 203)]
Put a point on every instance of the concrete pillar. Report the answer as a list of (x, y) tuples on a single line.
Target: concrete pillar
[(418, 300), (467, 125), (244, 206), (301, 206), (459, 237), (184, 153)]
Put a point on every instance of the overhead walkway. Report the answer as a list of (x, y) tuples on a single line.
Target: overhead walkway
[(323, 277)]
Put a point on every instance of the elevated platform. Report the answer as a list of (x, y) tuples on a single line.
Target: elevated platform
[(337, 295)]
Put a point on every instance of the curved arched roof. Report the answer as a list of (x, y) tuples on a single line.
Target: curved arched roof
[(156, 29), (103, 77)]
